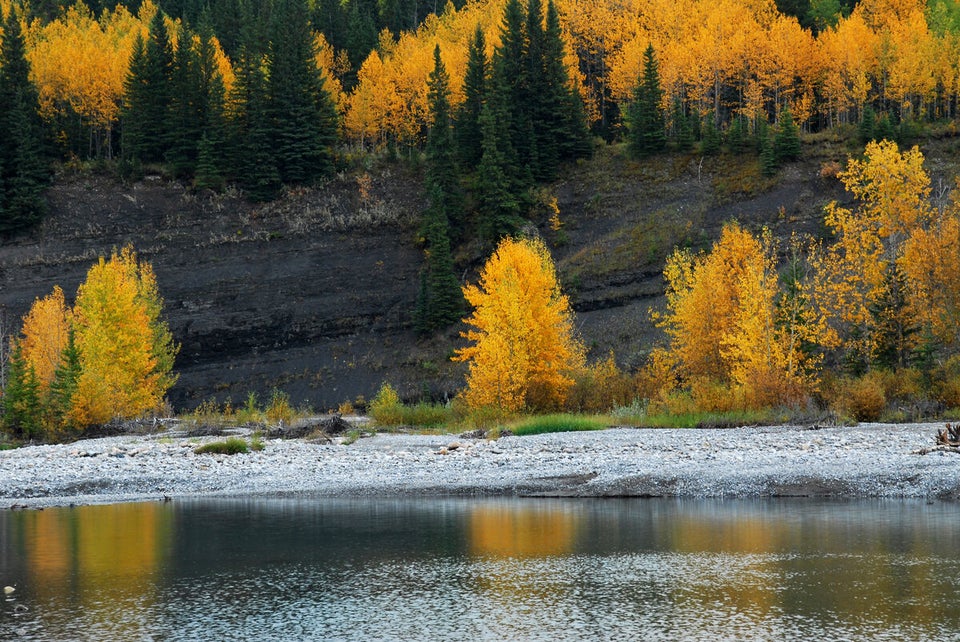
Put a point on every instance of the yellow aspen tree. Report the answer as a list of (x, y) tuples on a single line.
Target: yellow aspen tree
[(731, 322), (126, 350), (46, 328), (523, 350), (930, 264)]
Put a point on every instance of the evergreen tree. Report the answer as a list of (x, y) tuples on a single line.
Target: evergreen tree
[(768, 157), (566, 113), (467, 125), (252, 144), (148, 91), (710, 143), (499, 206), (303, 118), (738, 136), (509, 89), (21, 398), (786, 144), (187, 107), (683, 131), (211, 159), (645, 120), (867, 129), (24, 167), (64, 385)]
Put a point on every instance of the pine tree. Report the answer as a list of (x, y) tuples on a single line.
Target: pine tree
[(645, 120), (683, 131), (251, 143), (148, 91), (187, 106), (301, 112), (867, 129), (710, 143), (211, 156), (21, 398), (738, 138), (440, 302), (467, 125), (499, 206), (509, 89), (24, 167), (786, 144), (566, 114), (64, 385), (768, 157)]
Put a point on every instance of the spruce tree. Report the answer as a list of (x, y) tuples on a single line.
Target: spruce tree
[(64, 385), (252, 144), (683, 131), (645, 120), (148, 90), (566, 115), (786, 144), (211, 150), (467, 125), (499, 206), (440, 301), (21, 398), (301, 111), (768, 157), (867, 129), (710, 143), (24, 166), (187, 106), (509, 89), (738, 136)]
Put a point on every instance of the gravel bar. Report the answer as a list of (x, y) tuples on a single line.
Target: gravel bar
[(869, 460)]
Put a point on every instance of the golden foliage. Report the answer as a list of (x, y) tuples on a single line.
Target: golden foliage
[(45, 331), (523, 351), (730, 322), (126, 352)]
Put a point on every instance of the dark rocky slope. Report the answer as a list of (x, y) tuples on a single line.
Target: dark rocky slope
[(314, 294)]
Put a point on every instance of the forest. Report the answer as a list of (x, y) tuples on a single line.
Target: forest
[(494, 98)]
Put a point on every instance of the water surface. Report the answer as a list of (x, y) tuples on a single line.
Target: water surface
[(503, 569)]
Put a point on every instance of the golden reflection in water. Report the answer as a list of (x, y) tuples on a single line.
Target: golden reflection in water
[(501, 530), (99, 557)]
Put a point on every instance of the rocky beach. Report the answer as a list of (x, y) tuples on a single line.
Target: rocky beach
[(866, 461)]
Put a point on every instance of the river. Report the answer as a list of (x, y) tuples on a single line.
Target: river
[(483, 569)]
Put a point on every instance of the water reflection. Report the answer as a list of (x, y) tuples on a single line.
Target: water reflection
[(483, 569)]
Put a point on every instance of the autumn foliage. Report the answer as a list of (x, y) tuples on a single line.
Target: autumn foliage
[(109, 357), (523, 352)]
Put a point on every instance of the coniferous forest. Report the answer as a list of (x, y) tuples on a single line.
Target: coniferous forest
[(493, 99)]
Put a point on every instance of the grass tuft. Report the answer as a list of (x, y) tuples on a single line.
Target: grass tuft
[(231, 446), (557, 423)]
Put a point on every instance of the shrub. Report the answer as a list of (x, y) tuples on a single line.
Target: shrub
[(862, 398), (279, 408), (600, 387), (386, 408)]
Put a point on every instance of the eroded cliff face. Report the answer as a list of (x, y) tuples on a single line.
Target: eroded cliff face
[(314, 294)]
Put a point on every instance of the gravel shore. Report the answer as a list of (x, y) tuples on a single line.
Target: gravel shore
[(870, 460)]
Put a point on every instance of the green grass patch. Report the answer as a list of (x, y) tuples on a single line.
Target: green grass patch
[(230, 446), (557, 423)]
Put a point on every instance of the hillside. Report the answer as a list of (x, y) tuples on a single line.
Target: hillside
[(314, 294)]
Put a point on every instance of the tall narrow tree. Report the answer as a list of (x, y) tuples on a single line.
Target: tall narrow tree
[(467, 125), (303, 118), (646, 133), (148, 90), (24, 167)]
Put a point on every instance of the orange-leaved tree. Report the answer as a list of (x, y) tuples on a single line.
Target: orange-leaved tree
[(523, 350), (731, 322), (126, 350), (45, 333)]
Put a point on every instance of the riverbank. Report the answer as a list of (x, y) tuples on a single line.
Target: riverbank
[(870, 460)]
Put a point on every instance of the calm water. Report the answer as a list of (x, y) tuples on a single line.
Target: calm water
[(483, 570)]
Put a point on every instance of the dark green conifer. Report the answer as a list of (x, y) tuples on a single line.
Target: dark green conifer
[(252, 143), (21, 398), (738, 135), (867, 129), (786, 144), (187, 106), (646, 127), (509, 89), (148, 90), (211, 150), (768, 157), (467, 125), (301, 110), (683, 131), (710, 142), (64, 385), (24, 165), (498, 205)]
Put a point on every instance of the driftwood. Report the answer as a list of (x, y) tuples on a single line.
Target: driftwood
[(948, 441)]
